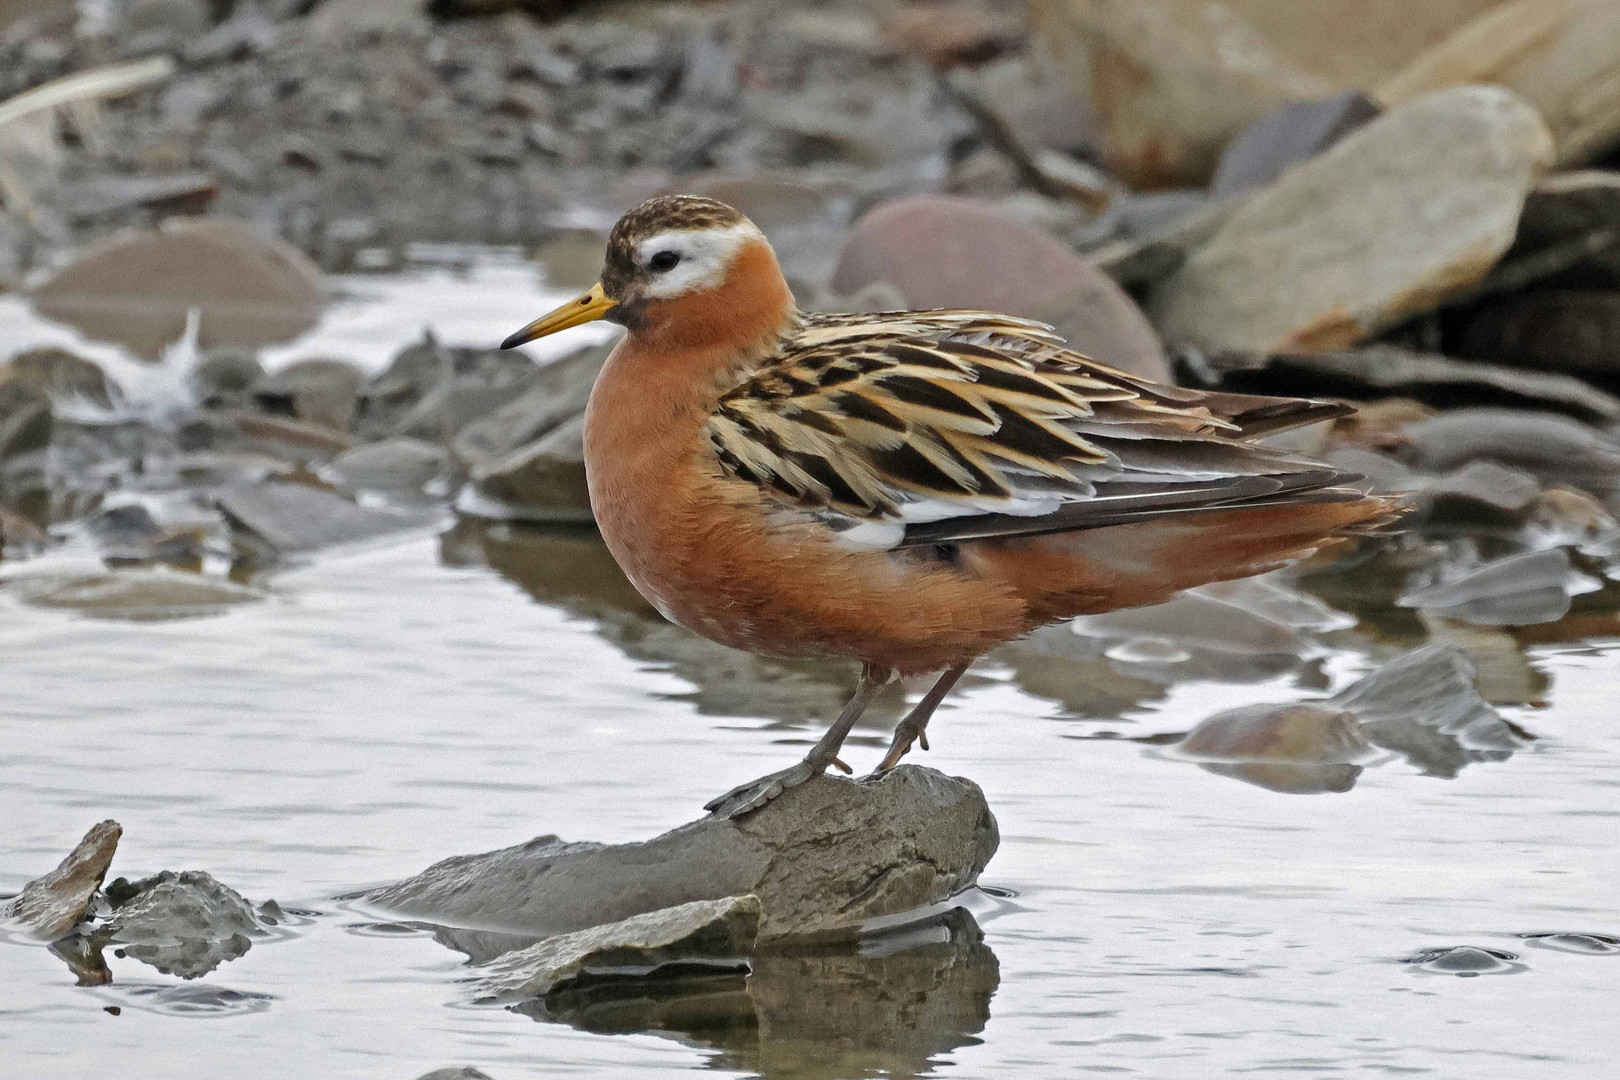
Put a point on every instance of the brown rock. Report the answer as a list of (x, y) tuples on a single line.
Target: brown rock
[(947, 252), (1174, 80), (1562, 56), (50, 906), (136, 287), (1414, 207)]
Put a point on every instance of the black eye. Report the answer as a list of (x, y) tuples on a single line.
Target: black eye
[(664, 260)]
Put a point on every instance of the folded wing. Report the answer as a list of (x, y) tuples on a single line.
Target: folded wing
[(943, 426)]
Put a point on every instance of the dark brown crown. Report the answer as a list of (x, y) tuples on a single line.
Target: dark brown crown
[(652, 217)]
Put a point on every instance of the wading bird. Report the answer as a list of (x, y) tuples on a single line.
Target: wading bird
[(907, 489)]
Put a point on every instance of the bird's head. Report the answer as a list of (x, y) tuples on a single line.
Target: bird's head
[(683, 270)]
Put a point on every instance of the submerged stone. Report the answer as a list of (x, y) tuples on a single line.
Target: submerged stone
[(717, 932)]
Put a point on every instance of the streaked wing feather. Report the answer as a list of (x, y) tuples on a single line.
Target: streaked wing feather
[(963, 424)]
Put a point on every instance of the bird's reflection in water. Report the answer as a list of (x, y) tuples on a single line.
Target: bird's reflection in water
[(888, 1007), (569, 567)]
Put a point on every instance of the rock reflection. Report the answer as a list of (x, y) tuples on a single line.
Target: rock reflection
[(890, 1007)]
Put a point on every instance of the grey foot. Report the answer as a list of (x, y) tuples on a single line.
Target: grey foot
[(756, 793)]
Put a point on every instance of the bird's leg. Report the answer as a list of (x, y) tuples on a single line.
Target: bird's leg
[(911, 729), (755, 794)]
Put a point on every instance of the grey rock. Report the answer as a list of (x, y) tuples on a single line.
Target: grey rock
[(400, 466), (556, 395), (1483, 485), (431, 391), (544, 481), (320, 392), (1292, 133), (1138, 262), (226, 376), (823, 858), (946, 252), (59, 375), (465, 1072), (716, 932), (1417, 205), (184, 924), (52, 905), (293, 518)]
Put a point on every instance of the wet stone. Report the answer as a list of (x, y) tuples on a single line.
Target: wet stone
[(320, 392), (185, 923), (1556, 449), (400, 466), (1519, 590), (1424, 706), (51, 906), (717, 932), (1297, 733), (295, 518), (823, 859), (1574, 330), (139, 593)]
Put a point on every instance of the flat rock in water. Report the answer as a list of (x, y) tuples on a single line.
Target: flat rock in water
[(1519, 590), (136, 287), (1424, 706), (1296, 733), (401, 466), (1555, 449), (823, 858), (138, 593), (294, 518), (712, 931), (1394, 218), (316, 391), (944, 252), (50, 906)]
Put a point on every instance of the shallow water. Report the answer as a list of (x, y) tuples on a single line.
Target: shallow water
[(385, 707)]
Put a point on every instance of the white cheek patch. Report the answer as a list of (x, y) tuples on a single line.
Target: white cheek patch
[(706, 255)]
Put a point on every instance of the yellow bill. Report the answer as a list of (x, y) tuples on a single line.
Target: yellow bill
[(588, 308)]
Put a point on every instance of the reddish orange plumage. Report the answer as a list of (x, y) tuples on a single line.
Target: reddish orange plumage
[(736, 448)]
